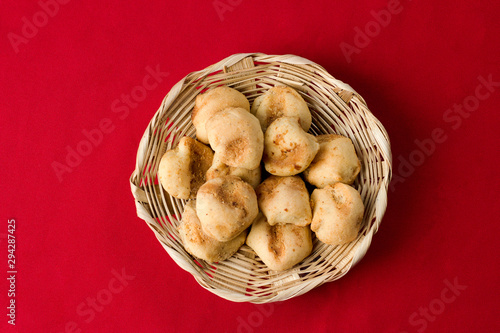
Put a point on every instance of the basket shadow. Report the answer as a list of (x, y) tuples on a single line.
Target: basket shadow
[(389, 105)]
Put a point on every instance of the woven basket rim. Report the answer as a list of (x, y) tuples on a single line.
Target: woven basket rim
[(242, 71)]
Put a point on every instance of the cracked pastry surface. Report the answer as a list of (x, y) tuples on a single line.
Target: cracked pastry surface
[(226, 206), (182, 170), (288, 150), (336, 161), (199, 244), (279, 102), (236, 137), (213, 101), (280, 246), (337, 213), (284, 200), (219, 169)]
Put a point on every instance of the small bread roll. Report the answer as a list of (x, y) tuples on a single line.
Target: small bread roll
[(213, 101), (284, 200), (236, 137), (281, 246), (219, 169), (182, 170), (197, 243), (288, 150), (336, 161), (337, 213), (226, 206), (281, 102)]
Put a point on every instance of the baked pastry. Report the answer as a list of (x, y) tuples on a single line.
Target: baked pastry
[(226, 206), (337, 213), (223, 179), (281, 246), (199, 244), (281, 102), (336, 161), (182, 170), (284, 200), (219, 169), (213, 101), (288, 150), (236, 137)]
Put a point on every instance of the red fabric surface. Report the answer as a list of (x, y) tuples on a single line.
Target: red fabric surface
[(86, 263)]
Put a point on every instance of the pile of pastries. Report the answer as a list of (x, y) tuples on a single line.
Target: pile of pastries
[(245, 175)]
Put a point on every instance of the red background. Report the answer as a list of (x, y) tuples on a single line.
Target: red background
[(441, 222)]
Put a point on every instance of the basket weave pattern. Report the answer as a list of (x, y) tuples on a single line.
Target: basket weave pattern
[(335, 107)]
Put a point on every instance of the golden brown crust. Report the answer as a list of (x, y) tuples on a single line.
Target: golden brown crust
[(199, 244), (182, 170), (219, 169), (231, 192), (336, 161), (337, 213), (288, 150), (236, 137), (213, 101), (284, 200), (281, 246), (226, 206), (201, 161), (328, 137), (280, 102)]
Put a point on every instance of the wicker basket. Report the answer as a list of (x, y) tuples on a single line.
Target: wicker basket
[(335, 108)]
